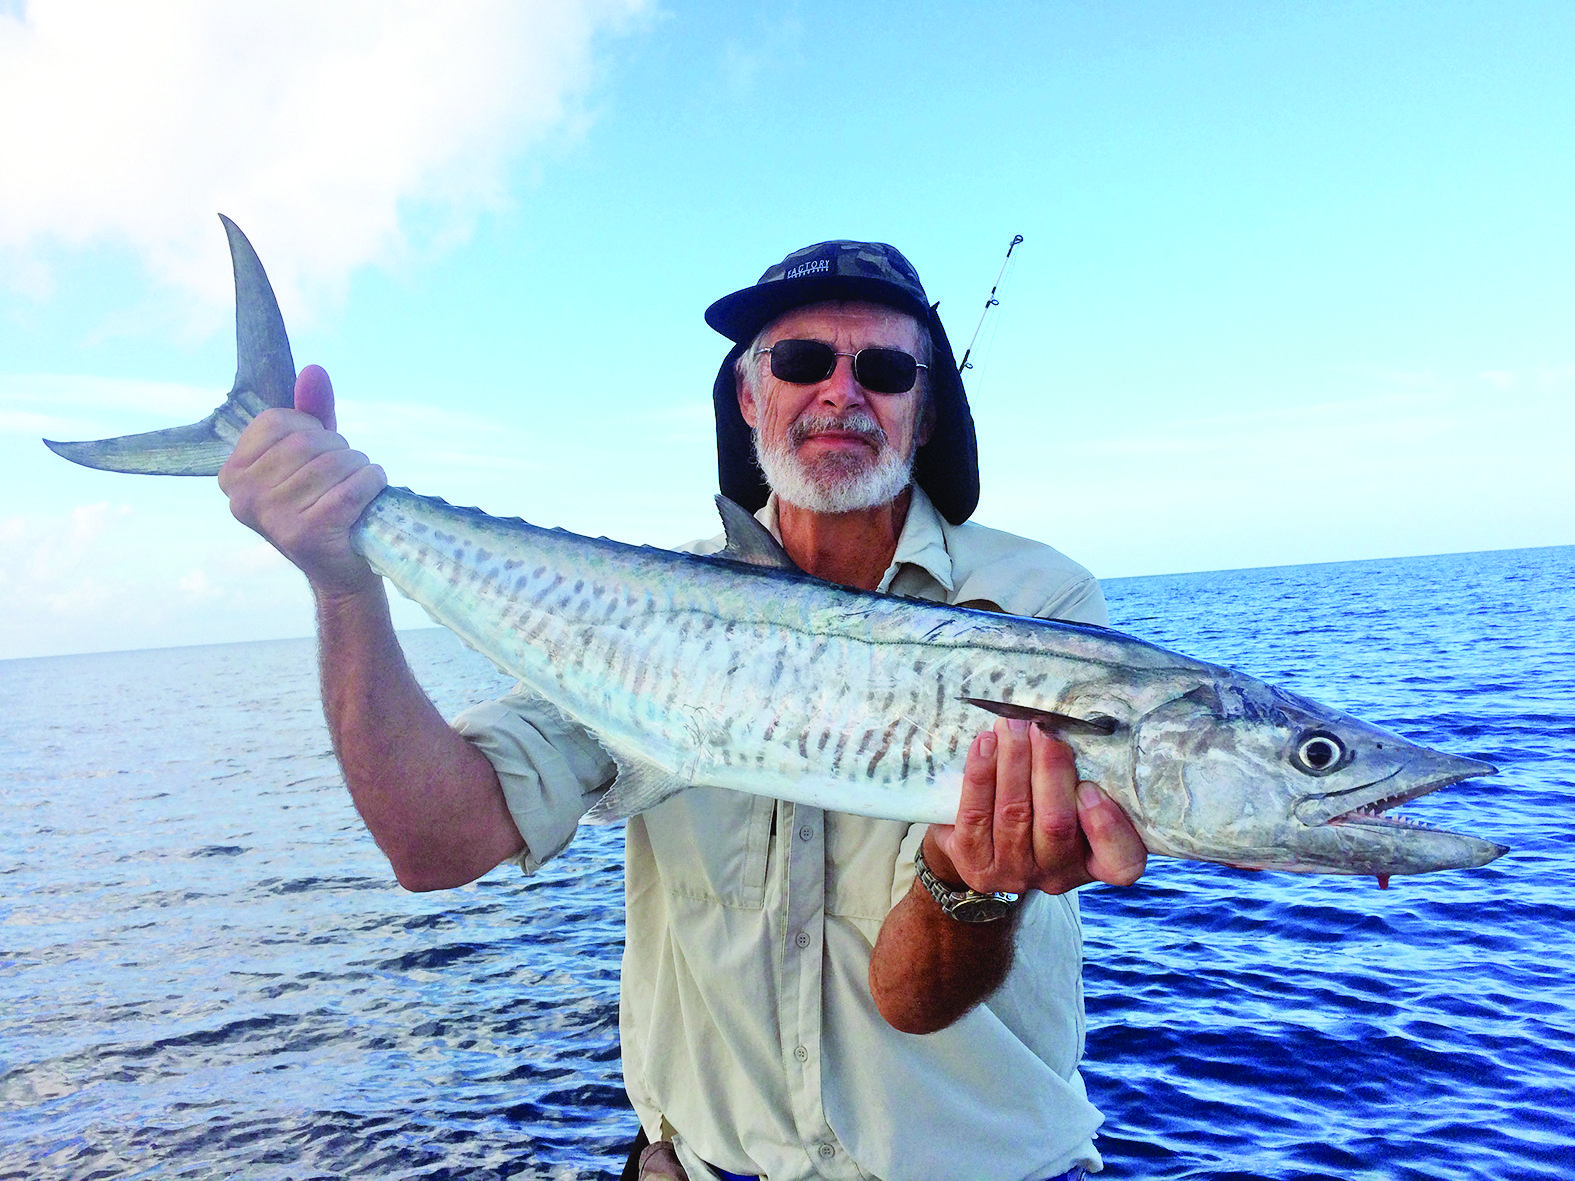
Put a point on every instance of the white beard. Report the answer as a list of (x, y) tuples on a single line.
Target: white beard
[(834, 484)]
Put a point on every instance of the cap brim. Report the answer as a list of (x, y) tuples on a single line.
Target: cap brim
[(741, 315)]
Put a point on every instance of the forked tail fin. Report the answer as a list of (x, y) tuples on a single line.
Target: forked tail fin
[(264, 377)]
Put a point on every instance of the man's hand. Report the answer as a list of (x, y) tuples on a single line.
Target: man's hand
[(294, 480), (1025, 822)]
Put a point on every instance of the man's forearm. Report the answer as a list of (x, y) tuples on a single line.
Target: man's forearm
[(430, 799), (928, 968)]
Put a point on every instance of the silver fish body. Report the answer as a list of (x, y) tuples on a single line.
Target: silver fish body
[(736, 671), (707, 670)]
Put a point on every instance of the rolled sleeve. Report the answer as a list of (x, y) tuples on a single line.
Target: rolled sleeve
[(552, 770), (1082, 602)]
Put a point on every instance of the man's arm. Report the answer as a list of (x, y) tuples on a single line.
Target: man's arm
[(430, 799), (1024, 823)]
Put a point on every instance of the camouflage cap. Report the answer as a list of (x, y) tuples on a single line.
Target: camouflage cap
[(947, 467)]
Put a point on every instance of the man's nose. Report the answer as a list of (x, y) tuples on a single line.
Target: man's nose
[(841, 388)]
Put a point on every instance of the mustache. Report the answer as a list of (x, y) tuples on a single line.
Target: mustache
[(854, 422)]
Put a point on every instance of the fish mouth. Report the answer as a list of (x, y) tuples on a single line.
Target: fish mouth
[(1399, 844), (1377, 816)]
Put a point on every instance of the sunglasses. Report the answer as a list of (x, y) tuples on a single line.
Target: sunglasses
[(806, 362)]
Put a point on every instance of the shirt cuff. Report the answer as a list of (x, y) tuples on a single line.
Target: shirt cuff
[(551, 769)]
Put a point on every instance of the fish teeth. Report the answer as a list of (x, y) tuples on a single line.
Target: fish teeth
[(1376, 812)]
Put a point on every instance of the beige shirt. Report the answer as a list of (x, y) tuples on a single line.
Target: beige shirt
[(749, 1033)]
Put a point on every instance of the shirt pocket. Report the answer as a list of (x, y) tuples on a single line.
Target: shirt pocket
[(713, 845), (862, 855)]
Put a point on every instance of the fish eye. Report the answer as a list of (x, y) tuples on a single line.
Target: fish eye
[(1319, 753)]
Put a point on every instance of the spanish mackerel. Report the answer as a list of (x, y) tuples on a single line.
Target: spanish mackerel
[(739, 671)]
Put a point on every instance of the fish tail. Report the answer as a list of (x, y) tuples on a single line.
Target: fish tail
[(264, 377)]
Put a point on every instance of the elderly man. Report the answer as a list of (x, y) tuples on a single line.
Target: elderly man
[(805, 993)]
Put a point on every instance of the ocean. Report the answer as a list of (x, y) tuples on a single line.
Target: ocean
[(207, 970)]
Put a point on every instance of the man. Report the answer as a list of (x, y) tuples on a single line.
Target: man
[(805, 994)]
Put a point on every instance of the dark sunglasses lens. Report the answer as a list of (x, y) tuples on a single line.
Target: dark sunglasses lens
[(803, 362), (886, 371)]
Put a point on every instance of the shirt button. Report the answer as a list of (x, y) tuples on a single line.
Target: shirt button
[(801, 1053), (805, 833), (826, 1152), (801, 939)]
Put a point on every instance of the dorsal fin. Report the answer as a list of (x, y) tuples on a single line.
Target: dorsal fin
[(748, 540), (1047, 720)]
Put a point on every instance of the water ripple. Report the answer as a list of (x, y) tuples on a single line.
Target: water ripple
[(206, 971)]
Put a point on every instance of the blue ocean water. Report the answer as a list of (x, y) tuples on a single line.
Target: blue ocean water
[(206, 970)]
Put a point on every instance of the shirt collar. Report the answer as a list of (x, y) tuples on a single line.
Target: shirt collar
[(922, 542)]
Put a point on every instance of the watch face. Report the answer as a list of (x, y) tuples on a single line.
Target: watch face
[(984, 908)]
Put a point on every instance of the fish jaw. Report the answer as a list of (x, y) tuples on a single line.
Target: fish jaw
[(1223, 774)]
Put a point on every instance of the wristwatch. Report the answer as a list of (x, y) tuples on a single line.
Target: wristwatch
[(967, 906)]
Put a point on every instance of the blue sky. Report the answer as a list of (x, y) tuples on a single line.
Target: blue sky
[(1296, 281)]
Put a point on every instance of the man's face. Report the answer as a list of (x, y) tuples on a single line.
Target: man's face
[(835, 446)]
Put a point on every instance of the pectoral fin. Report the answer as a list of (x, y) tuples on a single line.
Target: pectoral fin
[(1047, 719)]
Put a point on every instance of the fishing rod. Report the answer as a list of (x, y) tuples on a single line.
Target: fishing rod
[(989, 303)]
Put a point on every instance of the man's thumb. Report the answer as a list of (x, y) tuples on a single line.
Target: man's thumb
[(314, 395)]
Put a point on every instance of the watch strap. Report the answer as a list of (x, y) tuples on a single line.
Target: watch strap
[(965, 905)]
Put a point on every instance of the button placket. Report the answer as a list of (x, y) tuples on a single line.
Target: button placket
[(803, 962)]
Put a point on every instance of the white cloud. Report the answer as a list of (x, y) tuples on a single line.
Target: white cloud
[(196, 585), (105, 575), (341, 131), (1385, 463), (68, 406)]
